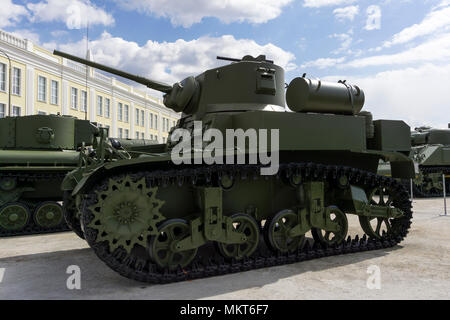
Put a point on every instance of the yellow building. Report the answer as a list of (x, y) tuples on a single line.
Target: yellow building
[(42, 83)]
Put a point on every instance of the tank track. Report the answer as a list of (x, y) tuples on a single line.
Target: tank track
[(208, 264), (420, 194), (69, 211), (32, 228)]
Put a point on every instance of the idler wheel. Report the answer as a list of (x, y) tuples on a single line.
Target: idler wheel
[(246, 225), (376, 227), (48, 214), (161, 248), (277, 232), (14, 216)]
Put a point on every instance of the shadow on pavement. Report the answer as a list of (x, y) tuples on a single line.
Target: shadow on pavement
[(43, 276)]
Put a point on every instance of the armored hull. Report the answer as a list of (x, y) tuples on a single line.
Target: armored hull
[(224, 208)]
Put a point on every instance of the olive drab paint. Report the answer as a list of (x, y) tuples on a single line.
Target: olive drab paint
[(153, 217), (431, 151), (36, 152)]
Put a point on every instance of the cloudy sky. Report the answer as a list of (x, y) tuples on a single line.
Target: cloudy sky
[(398, 51)]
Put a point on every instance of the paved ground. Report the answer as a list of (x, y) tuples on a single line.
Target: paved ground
[(34, 267)]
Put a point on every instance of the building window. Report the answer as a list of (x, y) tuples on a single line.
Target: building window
[(156, 138), (84, 101), (127, 134), (17, 81), (109, 131), (156, 124), (42, 89), (142, 118), (126, 113), (2, 110), (151, 120), (2, 77), (151, 137), (99, 105), (164, 124), (74, 99), (107, 108), (137, 135), (42, 113), (120, 133), (17, 111), (120, 112), (137, 118), (164, 139), (142, 136), (55, 92)]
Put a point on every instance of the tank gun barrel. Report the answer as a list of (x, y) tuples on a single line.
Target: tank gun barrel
[(228, 59), (155, 85), (259, 58)]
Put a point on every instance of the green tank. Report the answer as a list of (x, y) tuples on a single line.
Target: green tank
[(36, 152), (203, 205), (431, 151)]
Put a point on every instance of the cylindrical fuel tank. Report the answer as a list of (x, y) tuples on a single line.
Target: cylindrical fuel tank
[(306, 95)]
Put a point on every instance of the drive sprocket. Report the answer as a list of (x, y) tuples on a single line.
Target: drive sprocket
[(126, 213)]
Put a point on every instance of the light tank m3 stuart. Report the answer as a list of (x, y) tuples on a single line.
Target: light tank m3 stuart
[(154, 221)]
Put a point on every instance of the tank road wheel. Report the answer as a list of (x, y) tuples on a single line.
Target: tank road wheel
[(161, 246), (277, 232), (14, 216), (71, 214), (331, 238), (126, 214), (48, 214), (375, 227), (245, 224)]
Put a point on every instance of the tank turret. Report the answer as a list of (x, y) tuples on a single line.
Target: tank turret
[(247, 84)]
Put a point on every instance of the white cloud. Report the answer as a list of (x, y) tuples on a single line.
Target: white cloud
[(11, 13), (326, 3), (346, 42), (74, 13), (434, 50), (373, 18), (437, 20), (322, 63), (345, 13), (59, 33), (188, 12), (173, 61), (417, 95)]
